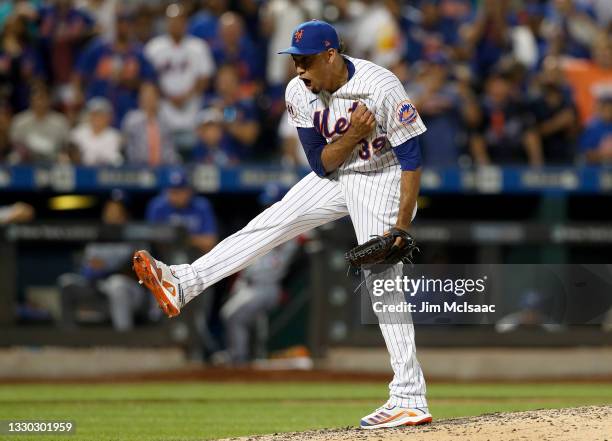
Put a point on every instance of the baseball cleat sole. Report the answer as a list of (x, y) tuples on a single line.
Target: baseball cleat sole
[(405, 420), (149, 275)]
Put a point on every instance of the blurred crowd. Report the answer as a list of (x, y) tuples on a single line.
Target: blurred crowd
[(150, 83)]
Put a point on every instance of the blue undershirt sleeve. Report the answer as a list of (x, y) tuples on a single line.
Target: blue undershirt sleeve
[(409, 154), (313, 143)]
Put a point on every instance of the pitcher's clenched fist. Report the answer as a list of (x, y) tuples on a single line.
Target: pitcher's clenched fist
[(362, 122)]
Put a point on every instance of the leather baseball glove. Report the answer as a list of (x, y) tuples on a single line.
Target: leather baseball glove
[(383, 250)]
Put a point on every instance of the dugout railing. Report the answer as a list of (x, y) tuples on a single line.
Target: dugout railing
[(491, 180)]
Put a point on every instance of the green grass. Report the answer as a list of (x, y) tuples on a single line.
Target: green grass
[(197, 411)]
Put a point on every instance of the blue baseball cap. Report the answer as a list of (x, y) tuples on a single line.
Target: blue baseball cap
[(312, 37), (177, 178)]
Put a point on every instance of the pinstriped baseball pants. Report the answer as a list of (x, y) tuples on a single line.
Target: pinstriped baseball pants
[(372, 201)]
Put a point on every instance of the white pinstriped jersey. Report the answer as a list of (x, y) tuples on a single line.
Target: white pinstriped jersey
[(397, 120), (372, 200)]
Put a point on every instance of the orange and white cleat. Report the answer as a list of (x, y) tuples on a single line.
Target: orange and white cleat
[(159, 279), (395, 416)]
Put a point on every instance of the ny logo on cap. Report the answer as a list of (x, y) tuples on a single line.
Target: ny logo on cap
[(298, 35)]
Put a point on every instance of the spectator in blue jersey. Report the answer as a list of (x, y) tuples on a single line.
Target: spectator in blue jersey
[(596, 141), (240, 124), (232, 45), (488, 37), (179, 206), (64, 30), (430, 32), (213, 144), (204, 23), (20, 64), (114, 69)]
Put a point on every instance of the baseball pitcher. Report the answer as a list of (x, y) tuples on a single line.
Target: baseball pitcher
[(360, 133)]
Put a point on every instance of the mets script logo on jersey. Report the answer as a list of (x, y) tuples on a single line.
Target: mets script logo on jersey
[(298, 35), (406, 113), (321, 122)]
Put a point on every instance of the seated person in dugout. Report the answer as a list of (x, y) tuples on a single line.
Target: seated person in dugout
[(103, 285)]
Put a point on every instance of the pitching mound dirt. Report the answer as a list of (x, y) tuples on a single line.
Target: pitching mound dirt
[(591, 423)]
